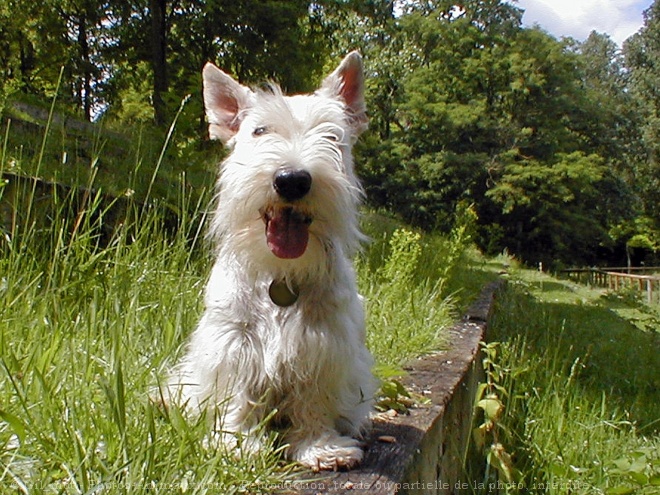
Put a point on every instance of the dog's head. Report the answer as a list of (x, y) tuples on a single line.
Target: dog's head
[(288, 191)]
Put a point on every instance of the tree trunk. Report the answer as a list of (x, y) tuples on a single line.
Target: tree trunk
[(158, 59)]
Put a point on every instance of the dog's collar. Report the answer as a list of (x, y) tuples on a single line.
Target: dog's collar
[(282, 293)]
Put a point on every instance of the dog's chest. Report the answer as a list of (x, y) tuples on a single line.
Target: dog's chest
[(302, 343)]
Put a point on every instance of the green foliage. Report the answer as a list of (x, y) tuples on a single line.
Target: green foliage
[(394, 396), (639, 470), (558, 207), (487, 436), (462, 234), (484, 111), (115, 49), (404, 280), (401, 265), (134, 105), (406, 310), (642, 55), (466, 105)]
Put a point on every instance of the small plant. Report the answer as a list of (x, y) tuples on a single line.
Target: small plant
[(627, 294), (488, 435), (405, 250), (394, 396), (461, 235)]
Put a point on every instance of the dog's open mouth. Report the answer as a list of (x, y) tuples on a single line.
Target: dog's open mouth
[(287, 231)]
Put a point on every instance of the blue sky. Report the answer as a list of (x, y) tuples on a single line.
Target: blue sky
[(577, 18)]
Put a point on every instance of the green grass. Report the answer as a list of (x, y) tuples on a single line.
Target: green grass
[(408, 311), (88, 328), (583, 389), (415, 286), (85, 334)]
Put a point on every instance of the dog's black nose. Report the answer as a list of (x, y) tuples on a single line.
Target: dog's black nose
[(292, 184)]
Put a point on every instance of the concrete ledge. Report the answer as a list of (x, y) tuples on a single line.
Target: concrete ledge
[(424, 452)]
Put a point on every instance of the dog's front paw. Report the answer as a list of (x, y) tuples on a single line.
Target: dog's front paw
[(328, 453)]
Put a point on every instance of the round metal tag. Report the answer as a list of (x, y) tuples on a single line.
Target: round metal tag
[(281, 294)]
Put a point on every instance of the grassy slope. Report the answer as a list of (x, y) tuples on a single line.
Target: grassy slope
[(125, 161), (583, 387)]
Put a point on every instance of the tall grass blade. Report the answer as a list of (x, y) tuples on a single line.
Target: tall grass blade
[(161, 157)]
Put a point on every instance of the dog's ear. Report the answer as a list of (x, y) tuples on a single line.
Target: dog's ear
[(347, 82), (224, 100)]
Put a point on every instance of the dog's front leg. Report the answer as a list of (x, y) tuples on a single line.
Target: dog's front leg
[(237, 424), (220, 374)]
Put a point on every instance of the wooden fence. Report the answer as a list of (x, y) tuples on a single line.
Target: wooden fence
[(616, 278)]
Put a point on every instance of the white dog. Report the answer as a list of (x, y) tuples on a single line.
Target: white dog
[(283, 334)]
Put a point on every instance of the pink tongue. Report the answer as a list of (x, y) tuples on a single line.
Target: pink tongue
[(287, 234)]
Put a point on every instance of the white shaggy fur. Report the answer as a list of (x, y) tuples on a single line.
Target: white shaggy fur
[(305, 364)]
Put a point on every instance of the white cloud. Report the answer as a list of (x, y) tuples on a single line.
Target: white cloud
[(577, 18)]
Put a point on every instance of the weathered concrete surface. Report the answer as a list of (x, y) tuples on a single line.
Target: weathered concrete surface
[(423, 452)]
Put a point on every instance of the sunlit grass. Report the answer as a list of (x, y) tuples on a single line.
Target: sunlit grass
[(408, 311), (583, 394)]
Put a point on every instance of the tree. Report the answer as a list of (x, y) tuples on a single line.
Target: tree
[(84, 26), (285, 41), (40, 38), (446, 105), (505, 118), (466, 105), (642, 57), (555, 211), (33, 46)]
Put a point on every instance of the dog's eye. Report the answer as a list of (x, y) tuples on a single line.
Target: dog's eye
[(260, 131)]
